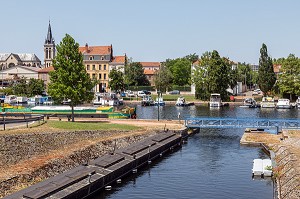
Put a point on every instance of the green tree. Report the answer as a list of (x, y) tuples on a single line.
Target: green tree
[(192, 57), (134, 75), (69, 78), (20, 87), (212, 75), (266, 75), (116, 82), (289, 78), (35, 87), (163, 79)]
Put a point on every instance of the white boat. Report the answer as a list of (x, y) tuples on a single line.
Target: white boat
[(215, 100), (283, 104), (10, 99), (22, 100), (48, 100), (181, 102), (107, 99), (249, 103), (298, 102), (147, 101), (267, 102), (159, 101)]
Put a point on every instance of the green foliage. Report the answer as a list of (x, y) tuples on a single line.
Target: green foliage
[(139, 88), (30, 88), (266, 75), (116, 82), (163, 79), (134, 75), (212, 75), (69, 80), (35, 87), (7, 91), (192, 57), (289, 78), (20, 87), (180, 69)]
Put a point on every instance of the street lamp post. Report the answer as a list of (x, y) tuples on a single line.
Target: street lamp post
[(158, 94)]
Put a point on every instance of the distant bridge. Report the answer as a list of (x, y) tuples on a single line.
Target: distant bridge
[(261, 123)]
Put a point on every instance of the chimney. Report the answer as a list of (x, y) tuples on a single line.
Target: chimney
[(86, 48)]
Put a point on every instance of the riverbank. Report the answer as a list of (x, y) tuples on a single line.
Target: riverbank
[(29, 156), (286, 147)]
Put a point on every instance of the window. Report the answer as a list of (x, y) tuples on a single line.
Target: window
[(102, 57), (94, 67), (100, 67), (100, 76), (94, 76), (104, 76), (91, 57), (88, 67), (104, 67)]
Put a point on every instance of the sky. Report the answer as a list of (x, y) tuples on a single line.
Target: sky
[(155, 30)]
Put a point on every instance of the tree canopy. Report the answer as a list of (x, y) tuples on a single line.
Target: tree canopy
[(69, 80), (134, 75), (163, 79), (289, 78), (116, 82), (266, 75), (212, 75)]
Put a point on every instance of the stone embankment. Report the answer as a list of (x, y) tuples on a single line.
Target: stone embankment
[(28, 158), (286, 147)]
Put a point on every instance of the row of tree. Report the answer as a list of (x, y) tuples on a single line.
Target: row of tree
[(23, 87)]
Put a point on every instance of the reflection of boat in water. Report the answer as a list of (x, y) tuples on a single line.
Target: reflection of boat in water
[(250, 103), (147, 101), (181, 102), (283, 104), (267, 102)]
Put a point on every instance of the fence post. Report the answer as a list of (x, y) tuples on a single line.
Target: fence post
[(4, 121), (27, 123)]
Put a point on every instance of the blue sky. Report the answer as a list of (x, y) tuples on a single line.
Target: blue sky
[(155, 30)]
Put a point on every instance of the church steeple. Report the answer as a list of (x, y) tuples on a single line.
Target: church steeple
[(49, 39), (49, 48)]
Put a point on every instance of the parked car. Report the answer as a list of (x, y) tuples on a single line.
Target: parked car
[(174, 92), (147, 92), (130, 94), (141, 94), (256, 92)]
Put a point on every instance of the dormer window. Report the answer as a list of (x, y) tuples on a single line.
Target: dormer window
[(91, 58), (102, 57)]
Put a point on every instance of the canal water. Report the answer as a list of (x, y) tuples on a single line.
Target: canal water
[(212, 164)]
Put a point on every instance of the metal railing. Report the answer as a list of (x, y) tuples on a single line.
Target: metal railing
[(19, 118), (263, 123)]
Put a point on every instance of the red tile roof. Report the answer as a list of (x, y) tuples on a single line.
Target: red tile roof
[(149, 72), (150, 64), (276, 68), (46, 70), (119, 59), (95, 50)]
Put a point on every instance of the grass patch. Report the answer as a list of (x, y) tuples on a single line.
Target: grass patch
[(90, 126)]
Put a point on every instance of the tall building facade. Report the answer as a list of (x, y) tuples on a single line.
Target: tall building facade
[(49, 48)]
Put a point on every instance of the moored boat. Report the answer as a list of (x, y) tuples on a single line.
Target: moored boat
[(267, 102), (297, 104), (147, 100), (250, 103), (215, 100), (181, 102), (283, 104), (159, 101)]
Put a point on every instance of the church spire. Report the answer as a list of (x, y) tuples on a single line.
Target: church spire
[(49, 39)]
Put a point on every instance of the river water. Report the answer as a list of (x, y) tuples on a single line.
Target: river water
[(212, 164)]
